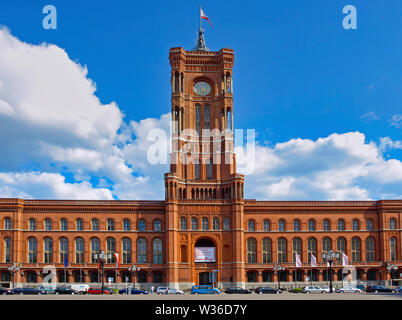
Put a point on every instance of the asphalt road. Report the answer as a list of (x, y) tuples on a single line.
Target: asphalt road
[(243, 297)]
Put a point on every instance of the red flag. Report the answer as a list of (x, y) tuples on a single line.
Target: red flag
[(204, 16)]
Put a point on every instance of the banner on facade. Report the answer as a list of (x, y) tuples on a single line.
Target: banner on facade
[(205, 254)]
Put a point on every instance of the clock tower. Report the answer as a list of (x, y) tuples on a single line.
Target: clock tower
[(202, 161)]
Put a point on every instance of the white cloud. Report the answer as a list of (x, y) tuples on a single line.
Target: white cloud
[(396, 120), (338, 167), (370, 116)]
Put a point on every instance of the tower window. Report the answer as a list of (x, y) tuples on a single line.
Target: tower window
[(198, 119), (209, 170), (196, 170), (207, 117)]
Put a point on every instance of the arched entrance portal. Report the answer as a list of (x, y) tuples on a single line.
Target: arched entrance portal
[(205, 262)]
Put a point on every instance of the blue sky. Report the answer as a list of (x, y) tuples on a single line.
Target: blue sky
[(298, 74)]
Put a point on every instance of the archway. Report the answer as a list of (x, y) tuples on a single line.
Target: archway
[(204, 278)]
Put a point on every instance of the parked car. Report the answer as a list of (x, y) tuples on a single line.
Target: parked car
[(133, 291), (27, 290), (80, 288), (262, 290), (313, 289), (65, 290), (48, 289), (348, 289), (166, 290), (4, 291), (93, 290), (326, 289), (237, 290), (204, 289), (399, 289), (380, 289)]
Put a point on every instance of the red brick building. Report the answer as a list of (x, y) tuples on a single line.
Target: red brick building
[(204, 210)]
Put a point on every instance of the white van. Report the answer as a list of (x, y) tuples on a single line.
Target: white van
[(80, 288)]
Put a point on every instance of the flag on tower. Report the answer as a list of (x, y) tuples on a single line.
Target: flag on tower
[(313, 261), (298, 261), (204, 16), (345, 260)]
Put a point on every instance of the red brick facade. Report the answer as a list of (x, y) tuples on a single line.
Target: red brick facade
[(159, 237)]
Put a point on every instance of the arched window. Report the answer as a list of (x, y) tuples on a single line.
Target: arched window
[(355, 225), (204, 223), (157, 225), (341, 246), (141, 225), (32, 250), (79, 250), (251, 225), (296, 248), (79, 225), (126, 250), (198, 119), (251, 250), (48, 224), (95, 248), (326, 244), (266, 250), (48, 250), (141, 250), (63, 250), (183, 223), (215, 223), (194, 223), (392, 223), (126, 225), (32, 224), (7, 250), (63, 225), (226, 224), (392, 249), (355, 249), (341, 225), (95, 224), (311, 225), (111, 250), (370, 253), (296, 225), (326, 225), (7, 223), (281, 225), (369, 225), (266, 226), (282, 247), (157, 251), (207, 116), (311, 248), (110, 225)]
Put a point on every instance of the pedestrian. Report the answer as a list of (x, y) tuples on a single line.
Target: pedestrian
[(152, 289)]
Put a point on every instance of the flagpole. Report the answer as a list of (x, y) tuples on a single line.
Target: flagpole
[(200, 19), (311, 269)]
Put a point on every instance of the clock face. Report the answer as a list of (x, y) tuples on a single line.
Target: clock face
[(202, 88)]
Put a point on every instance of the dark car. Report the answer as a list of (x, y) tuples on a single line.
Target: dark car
[(99, 291), (133, 291), (27, 290), (4, 291), (261, 290), (379, 289), (237, 290), (64, 290)]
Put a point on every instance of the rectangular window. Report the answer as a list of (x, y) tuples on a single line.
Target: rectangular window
[(197, 171), (209, 170), (198, 119)]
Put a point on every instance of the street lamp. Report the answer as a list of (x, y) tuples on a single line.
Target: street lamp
[(102, 259), (133, 269), (279, 268), (329, 257), (13, 269)]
